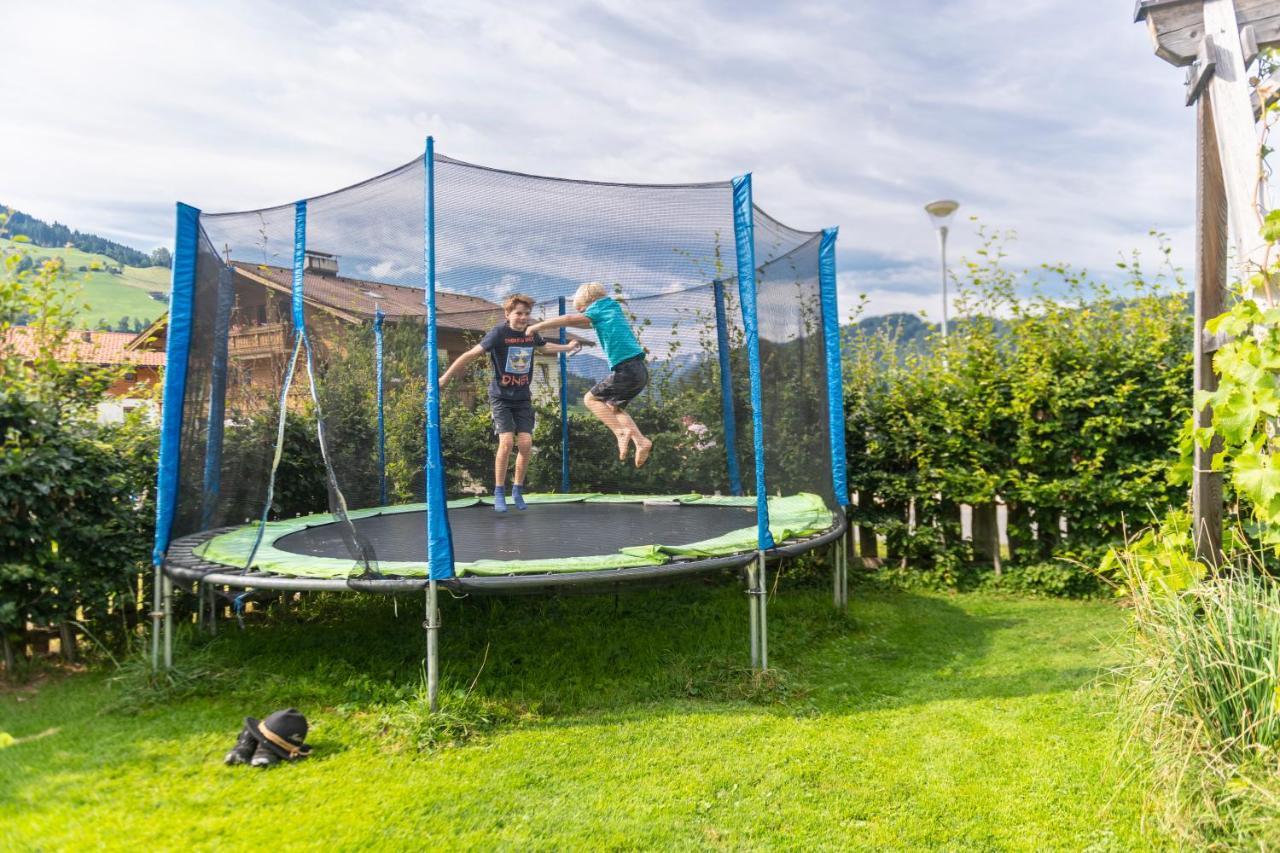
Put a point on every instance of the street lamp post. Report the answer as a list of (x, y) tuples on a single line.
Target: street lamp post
[(940, 212)]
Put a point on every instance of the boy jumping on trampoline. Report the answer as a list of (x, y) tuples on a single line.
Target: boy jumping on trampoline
[(510, 346), (596, 309)]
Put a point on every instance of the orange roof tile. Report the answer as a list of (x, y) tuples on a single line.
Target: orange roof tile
[(83, 347), (362, 298)]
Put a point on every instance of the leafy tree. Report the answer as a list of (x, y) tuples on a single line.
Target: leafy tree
[(70, 533)]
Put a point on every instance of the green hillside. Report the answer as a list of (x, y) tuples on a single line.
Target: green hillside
[(110, 296)]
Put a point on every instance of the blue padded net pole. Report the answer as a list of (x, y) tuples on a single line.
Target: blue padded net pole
[(835, 375), (727, 414), (217, 399), (564, 408), (177, 349), (382, 429), (744, 237), (299, 335), (439, 536)]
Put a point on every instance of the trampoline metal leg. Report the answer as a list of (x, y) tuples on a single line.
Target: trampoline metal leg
[(844, 573), (754, 601), (433, 663), (168, 622), (763, 597), (834, 556), (213, 610), (155, 618)]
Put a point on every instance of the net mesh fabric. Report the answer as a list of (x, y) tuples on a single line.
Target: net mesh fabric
[(657, 249)]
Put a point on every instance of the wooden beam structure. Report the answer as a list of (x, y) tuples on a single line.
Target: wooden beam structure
[(1218, 39), (1176, 26), (1237, 134), (1211, 288)]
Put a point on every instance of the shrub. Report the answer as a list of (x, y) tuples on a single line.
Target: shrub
[(1064, 403), (73, 507), (1201, 688)]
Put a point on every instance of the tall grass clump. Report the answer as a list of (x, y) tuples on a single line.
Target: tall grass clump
[(1201, 690)]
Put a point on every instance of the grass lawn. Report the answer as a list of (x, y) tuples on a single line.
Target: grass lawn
[(917, 721), (109, 297)]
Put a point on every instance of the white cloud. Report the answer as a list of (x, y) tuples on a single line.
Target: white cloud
[(1051, 116)]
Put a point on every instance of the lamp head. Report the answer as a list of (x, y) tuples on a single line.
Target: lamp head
[(941, 211)]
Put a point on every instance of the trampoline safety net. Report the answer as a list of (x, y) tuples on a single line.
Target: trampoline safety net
[(299, 361)]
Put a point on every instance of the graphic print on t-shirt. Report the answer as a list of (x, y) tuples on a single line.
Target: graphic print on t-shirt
[(511, 354), (519, 359)]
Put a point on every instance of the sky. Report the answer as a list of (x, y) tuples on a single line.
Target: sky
[(1051, 118)]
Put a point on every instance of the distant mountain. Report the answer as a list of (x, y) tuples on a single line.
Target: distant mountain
[(595, 368), (119, 297), (58, 236)]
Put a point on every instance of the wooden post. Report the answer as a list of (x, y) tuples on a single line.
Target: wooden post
[(1211, 284), (1218, 39), (986, 534), (868, 547), (67, 642)]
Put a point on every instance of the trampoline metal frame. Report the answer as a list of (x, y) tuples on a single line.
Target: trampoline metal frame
[(183, 565)]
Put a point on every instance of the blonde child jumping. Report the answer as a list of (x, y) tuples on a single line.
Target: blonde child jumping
[(608, 399)]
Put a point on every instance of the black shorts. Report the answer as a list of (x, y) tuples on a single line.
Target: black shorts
[(626, 382), (511, 416)]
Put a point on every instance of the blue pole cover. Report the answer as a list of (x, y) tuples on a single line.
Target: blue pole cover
[(177, 347), (835, 374), (564, 408), (299, 259), (727, 414), (744, 237), (439, 536), (382, 430)]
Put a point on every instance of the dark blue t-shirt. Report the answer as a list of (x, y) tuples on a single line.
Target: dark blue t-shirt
[(511, 354)]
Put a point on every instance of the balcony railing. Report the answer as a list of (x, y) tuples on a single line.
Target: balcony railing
[(258, 341)]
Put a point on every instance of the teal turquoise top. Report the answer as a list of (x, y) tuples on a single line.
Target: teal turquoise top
[(616, 338)]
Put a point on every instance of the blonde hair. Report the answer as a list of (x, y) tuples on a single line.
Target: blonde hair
[(588, 293)]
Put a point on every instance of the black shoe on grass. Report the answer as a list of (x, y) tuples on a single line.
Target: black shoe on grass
[(243, 751), (264, 757)]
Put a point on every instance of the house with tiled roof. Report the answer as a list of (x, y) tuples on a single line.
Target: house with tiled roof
[(139, 368), (258, 340)]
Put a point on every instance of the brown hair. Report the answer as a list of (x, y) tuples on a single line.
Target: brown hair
[(517, 299)]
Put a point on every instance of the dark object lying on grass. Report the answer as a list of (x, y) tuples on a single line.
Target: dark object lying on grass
[(262, 743)]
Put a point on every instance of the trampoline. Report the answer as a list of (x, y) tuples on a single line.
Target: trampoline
[(306, 443), (561, 540)]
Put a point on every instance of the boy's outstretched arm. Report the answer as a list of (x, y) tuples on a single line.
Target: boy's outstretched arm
[(571, 347), (578, 321), (460, 364)]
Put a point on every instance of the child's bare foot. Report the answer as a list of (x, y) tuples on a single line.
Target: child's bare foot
[(643, 446), (624, 438)]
